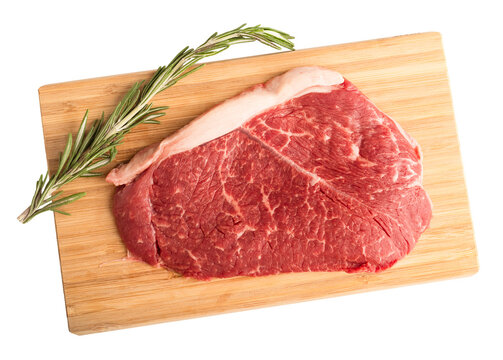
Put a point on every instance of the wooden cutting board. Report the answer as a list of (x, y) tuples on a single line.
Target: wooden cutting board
[(405, 76)]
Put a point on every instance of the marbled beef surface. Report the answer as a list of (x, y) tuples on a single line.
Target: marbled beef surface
[(319, 180)]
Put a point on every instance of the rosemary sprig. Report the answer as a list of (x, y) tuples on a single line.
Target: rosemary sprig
[(96, 147)]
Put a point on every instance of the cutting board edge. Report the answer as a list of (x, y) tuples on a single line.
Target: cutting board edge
[(44, 132), (462, 167), (466, 272), (47, 87)]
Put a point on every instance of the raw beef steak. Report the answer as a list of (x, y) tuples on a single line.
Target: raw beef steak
[(302, 173)]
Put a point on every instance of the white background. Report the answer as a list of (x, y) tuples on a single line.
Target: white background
[(46, 42)]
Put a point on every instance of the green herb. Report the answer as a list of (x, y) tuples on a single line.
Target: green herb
[(96, 147)]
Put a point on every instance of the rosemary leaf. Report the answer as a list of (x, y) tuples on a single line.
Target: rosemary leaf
[(80, 135), (64, 156)]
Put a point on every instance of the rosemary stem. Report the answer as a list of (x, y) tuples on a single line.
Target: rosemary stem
[(23, 216), (96, 147)]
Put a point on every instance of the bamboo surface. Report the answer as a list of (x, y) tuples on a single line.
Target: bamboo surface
[(404, 76)]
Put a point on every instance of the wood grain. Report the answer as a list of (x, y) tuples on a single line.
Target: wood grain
[(405, 76)]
